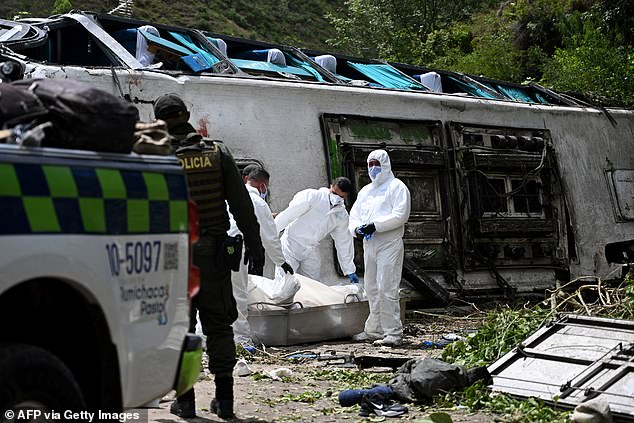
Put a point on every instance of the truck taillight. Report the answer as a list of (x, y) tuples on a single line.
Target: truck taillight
[(194, 272)]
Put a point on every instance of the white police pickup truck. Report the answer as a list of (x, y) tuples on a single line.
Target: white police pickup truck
[(95, 280)]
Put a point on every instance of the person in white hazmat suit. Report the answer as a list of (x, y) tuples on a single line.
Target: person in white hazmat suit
[(378, 217), (312, 215), (257, 182)]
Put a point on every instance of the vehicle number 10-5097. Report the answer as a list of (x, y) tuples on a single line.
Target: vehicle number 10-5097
[(134, 257)]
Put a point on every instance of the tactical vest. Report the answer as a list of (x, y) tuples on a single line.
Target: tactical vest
[(202, 163)]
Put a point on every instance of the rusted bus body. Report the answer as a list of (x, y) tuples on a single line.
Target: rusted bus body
[(506, 196)]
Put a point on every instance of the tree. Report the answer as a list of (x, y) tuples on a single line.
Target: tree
[(395, 29), (593, 60), (583, 46), (61, 6)]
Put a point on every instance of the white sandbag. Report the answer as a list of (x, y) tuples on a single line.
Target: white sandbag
[(432, 81), (314, 293), (327, 61), (143, 54), (276, 56), (299, 289), (273, 291)]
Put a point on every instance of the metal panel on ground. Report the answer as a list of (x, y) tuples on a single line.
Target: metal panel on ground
[(573, 360)]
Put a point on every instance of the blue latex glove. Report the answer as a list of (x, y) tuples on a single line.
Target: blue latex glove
[(353, 278), (368, 229), (365, 231)]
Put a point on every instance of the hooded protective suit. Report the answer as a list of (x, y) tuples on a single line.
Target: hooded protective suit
[(308, 219), (386, 203), (240, 279), (143, 55)]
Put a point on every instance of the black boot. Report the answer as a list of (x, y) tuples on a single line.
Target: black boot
[(222, 405), (185, 405)]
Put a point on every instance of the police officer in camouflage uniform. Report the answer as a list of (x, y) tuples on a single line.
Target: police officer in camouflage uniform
[(213, 178)]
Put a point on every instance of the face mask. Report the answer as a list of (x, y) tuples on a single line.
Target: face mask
[(335, 199), (265, 193), (374, 172)]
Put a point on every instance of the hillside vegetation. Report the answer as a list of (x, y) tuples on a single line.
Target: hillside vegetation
[(301, 23), (583, 47)]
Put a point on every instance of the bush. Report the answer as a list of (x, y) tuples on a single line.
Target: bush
[(593, 65), (61, 6), (503, 329)]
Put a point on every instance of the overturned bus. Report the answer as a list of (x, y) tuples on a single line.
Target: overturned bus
[(513, 187)]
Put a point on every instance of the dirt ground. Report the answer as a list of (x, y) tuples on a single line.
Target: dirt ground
[(310, 393)]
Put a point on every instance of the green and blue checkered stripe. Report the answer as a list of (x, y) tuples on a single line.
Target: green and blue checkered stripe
[(62, 199)]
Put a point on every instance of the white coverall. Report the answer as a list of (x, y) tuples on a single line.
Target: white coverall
[(240, 279), (385, 202), (143, 55), (307, 220)]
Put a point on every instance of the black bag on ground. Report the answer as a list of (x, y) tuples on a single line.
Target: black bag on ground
[(18, 106), (84, 117), (419, 379)]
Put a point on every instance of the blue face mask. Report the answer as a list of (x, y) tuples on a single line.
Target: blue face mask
[(374, 172)]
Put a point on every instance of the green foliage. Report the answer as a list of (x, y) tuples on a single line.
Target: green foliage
[(437, 418), (443, 48), (308, 397), (43, 8), (504, 327), (61, 6), (241, 352), (590, 63), (535, 23), (502, 330), (616, 18), (350, 379), (626, 305), (395, 30), (20, 15), (493, 55), (477, 397), (301, 22), (582, 46)]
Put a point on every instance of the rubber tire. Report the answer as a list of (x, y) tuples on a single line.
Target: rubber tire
[(32, 374)]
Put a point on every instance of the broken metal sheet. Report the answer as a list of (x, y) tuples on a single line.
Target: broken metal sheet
[(106, 39), (14, 34), (423, 282), (571, 361)]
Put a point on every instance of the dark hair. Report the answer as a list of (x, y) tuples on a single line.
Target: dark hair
[(344, 185), (258, 175), (248, 168)]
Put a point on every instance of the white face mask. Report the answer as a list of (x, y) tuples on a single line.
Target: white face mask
[(335, 199), (265, 193), (374, 172)]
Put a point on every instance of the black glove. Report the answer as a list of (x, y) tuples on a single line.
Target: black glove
[(256, 267), (255, 264), (287, 268), (368, 229)]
